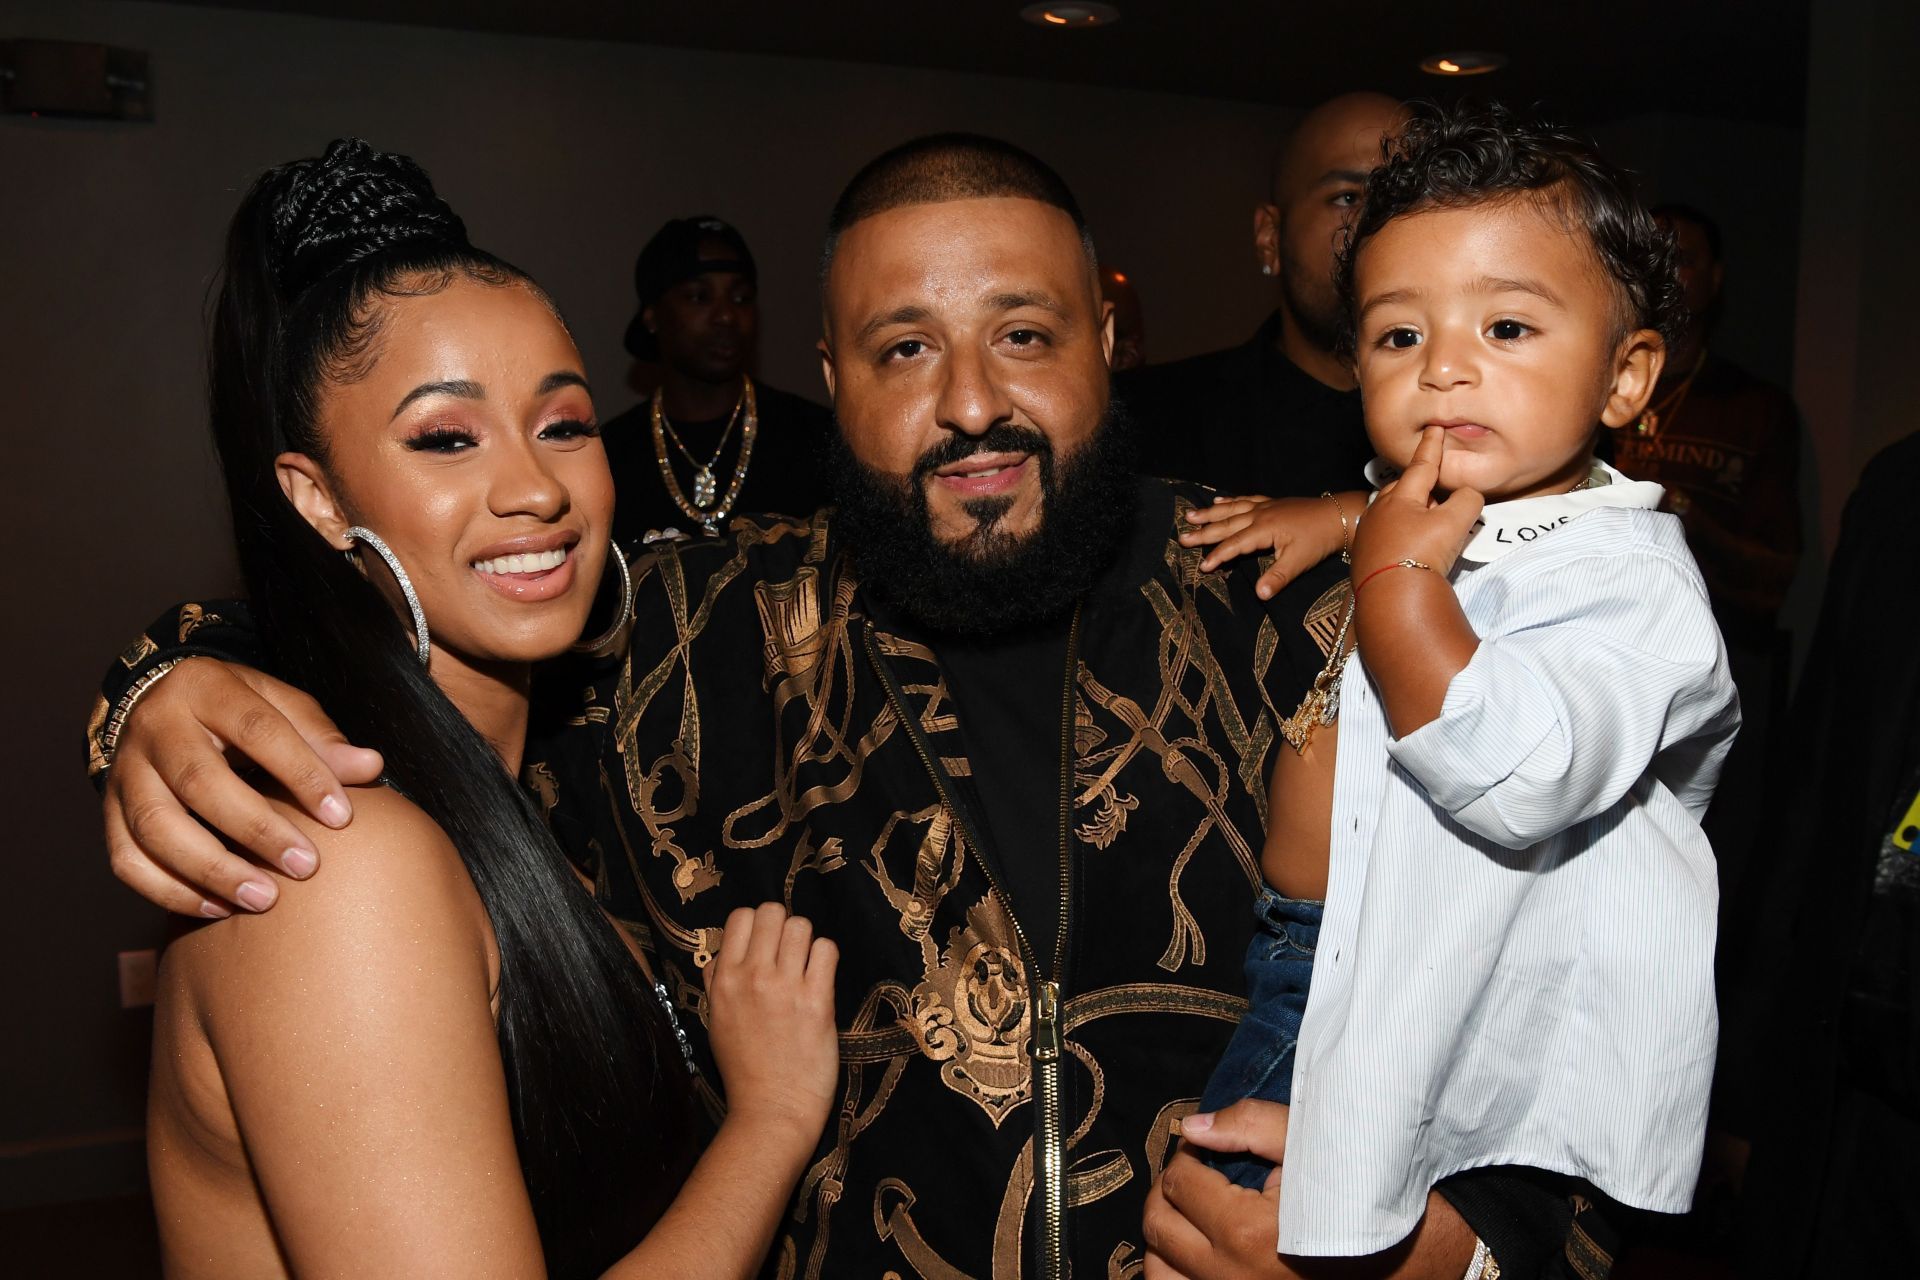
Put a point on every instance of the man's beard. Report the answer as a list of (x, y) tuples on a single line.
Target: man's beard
[(1316, 312), (990, 581)]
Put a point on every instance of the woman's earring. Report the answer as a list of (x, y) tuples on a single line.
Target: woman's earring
[(372, 539), (603, 644), (1266, 268)]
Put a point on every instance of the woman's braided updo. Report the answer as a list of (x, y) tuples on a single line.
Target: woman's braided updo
[(348, 205), (325, 243)]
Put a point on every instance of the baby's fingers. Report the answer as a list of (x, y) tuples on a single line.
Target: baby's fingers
[(1271, 581), (1248, 540), (1423, 472), (1465, 504), (1207, 535), (1222, 509)]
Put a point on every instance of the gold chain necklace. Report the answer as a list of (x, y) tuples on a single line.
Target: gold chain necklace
[(1667, 410), (704, 484), (707, 507)]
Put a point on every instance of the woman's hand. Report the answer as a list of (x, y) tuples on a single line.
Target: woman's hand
[(770, 1023), (770, 1019), (1300, 532)]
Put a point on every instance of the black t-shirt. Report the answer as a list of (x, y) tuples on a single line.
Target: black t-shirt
[(783, 475), (1247, 420), (1010, 692)]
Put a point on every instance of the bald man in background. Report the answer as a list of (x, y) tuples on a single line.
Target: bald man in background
[(1279, 414), (1129, 321)]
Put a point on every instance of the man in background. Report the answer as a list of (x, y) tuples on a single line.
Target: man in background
[(1726, 445), (1279, 414), (1129, 321), (711, 440)]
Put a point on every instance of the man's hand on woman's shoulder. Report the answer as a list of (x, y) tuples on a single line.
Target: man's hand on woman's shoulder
[(176, 768)]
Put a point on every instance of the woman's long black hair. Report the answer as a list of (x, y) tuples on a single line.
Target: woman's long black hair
[(600, 1101)]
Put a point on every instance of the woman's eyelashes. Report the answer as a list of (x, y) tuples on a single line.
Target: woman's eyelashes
[(570, 429), (441, 440), (444, 439)]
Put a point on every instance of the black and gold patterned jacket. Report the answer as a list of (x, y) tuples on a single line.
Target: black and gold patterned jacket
[(768, 739)]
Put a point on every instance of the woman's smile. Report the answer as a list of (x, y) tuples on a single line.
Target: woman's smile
[(529, 576)]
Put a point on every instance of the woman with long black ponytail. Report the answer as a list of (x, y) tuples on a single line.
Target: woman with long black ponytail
[(440, 1058)]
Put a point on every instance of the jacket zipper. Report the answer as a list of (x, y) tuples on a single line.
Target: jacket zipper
[(1050, 1142), (1049, 1138)]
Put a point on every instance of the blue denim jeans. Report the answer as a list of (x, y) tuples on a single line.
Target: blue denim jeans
[(1259, 1059)]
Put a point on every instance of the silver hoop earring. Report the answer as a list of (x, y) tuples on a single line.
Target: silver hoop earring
[(372, 539), (602, 644)]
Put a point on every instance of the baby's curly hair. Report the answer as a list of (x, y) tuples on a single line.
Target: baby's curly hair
[(1468, 155)]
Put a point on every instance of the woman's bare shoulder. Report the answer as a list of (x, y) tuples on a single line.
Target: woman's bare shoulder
[(387, 882), (345, 1043)]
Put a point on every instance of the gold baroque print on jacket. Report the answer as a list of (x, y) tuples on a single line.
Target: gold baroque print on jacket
[(752, 752), (747, 749), (192, 618), (973, 1013)]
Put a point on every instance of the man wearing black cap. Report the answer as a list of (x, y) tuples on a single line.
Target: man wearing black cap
[(710, 441)]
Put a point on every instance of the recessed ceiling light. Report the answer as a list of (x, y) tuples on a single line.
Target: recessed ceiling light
[(1071, 15), (1475, 62)]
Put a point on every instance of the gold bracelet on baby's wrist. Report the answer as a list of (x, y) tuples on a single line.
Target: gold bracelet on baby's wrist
[(1346, 530)]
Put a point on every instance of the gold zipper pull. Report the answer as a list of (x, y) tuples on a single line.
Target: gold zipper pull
[(1046, 1022), (1049, 1133)]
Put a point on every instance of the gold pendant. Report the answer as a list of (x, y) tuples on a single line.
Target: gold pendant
[(1297, 729), (705, 488), (1320, 707)]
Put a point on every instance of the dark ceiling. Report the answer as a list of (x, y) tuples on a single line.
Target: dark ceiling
[(1587, 61)]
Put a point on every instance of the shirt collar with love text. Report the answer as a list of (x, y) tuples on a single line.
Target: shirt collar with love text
[(1507, 526)]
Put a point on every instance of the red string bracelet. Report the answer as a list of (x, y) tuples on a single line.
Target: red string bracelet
[(1397, 564)]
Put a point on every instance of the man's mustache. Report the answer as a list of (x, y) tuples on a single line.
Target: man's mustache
[(1002, 437)]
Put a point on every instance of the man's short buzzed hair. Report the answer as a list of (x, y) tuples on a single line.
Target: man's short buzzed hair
[(948, 166), (1674, 211)]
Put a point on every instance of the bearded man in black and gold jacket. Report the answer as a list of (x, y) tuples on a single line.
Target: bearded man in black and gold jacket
[(988, 725)]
